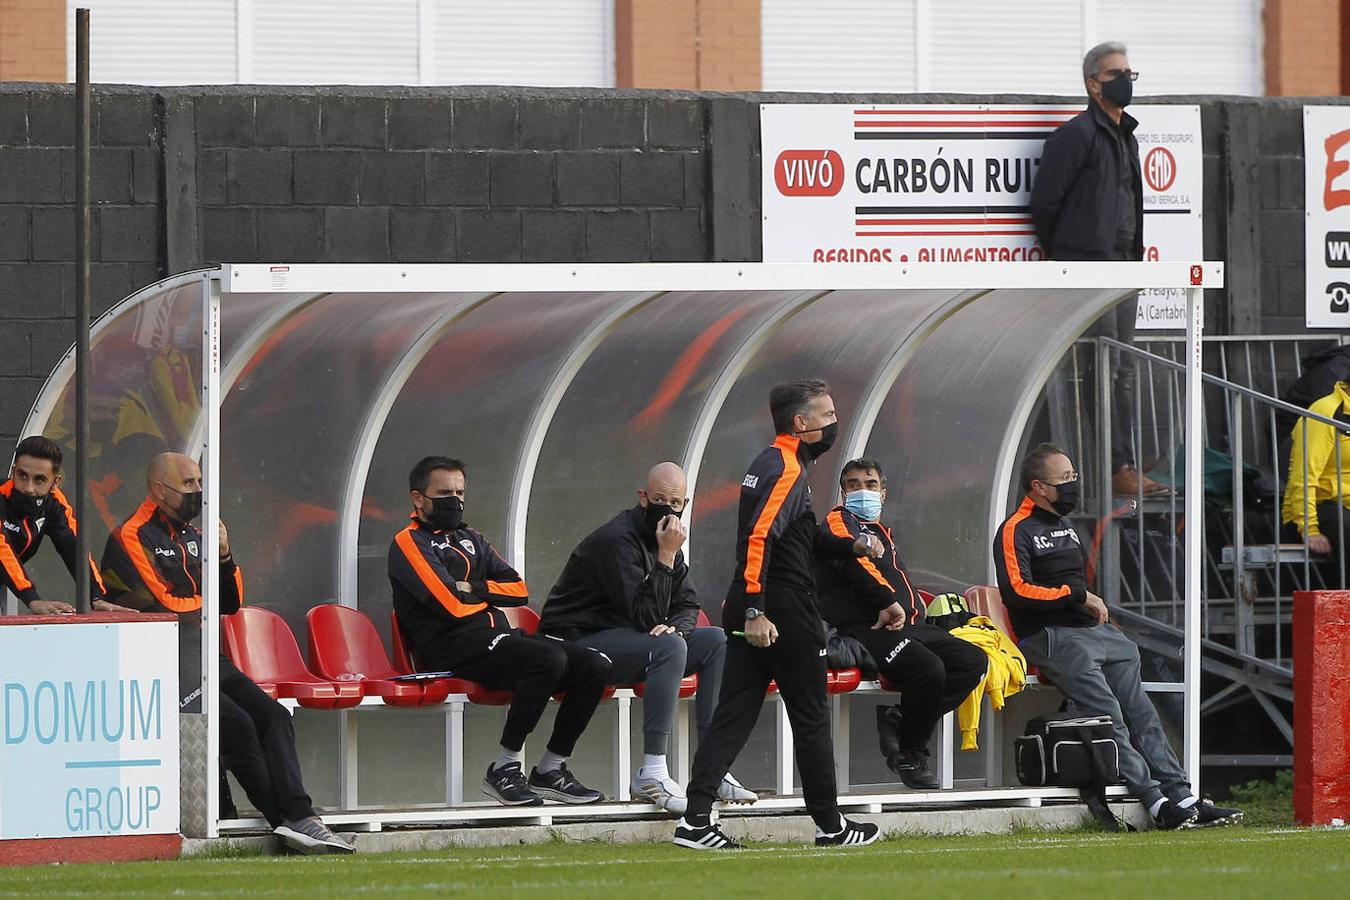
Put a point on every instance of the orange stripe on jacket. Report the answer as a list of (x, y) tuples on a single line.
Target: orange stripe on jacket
[(1020, 586), (75, 530), (508, 588), (13, 568), (129, 536), (754, 550), (413, 554), (839, 529)]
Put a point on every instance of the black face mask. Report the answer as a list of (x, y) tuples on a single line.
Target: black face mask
[(655, 512), (26, 505), (1067, 500), (191, 506), (827, 436), (1119, 90), (447, 513)]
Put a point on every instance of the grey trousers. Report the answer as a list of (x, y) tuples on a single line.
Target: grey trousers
[(661, 662), (1097, 669)]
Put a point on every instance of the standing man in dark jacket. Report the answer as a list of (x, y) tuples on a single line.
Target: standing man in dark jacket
[(447, 583), (1063, 629), (32, 507), (773, 627), (626, 593), (1088, 204), (872, 600)]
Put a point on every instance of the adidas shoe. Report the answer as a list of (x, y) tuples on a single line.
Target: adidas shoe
[(703, 837), (850, 834), (1171, 817), (663, 791), (507, 786), (732, 791), (1208, 815), (310, 836), (562, 786)]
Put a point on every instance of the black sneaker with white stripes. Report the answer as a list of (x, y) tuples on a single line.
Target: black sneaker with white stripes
[(562, 786), (506, 784), (850, 834), (703, 837)]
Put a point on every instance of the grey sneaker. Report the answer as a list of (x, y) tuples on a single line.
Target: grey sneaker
[(311, 836)]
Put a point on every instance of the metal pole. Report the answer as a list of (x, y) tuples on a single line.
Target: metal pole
[(211, 512), (82, 250), (1195, 326)]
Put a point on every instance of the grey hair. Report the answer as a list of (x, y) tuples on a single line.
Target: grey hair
[(1094, 56)]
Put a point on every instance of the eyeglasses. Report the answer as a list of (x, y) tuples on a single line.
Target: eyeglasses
[(1113, 74), (1070, 476)]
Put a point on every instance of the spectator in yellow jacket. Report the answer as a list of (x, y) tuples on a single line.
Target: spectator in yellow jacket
[(1316, 497)]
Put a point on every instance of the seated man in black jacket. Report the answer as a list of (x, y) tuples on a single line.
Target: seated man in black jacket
[(448, 582), (626, 592), (153, 563), (870, 599)]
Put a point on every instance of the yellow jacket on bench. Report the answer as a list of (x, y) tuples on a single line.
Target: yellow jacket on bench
[(1006, 675)]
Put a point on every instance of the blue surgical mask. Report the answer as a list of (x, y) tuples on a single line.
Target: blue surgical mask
[(864, 504)]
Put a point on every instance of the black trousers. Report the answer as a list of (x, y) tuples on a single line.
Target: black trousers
[(257, 744), (933, 670), (797, 662), (1333, 521), (535, 668)]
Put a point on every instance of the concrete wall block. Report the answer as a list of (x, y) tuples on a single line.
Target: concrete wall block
[(109, 282), (109, 177), (48, 341), (15, 232), (588, 178), (549, 124), (489, 235), (224, 120), (422, 235), (286, 121), (126, 120), (651, 179), (33, 291), (291, 234), (128, 233), (327, 176), (146, 176), (14, 349), (1281, 236), (1292, 182), (614, 124), (13, 119), (553, 235), (618, 235), (51, 120), (675, 124), (695, 179), (229, 235), (353, 121), (17, 402), (54, 233), (31, 175), (211, 168), (521, 179), (457, 179), (483, 124), (1294, 291), (678, 235), (1281, 132), (258, 177), (419, 124), (1268, 169), (359, 234), (392, 178)]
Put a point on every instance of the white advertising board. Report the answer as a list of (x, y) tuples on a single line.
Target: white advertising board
[(1326, 176), (951, 183), (88, 730)]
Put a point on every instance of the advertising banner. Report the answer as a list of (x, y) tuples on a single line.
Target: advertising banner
[(951, 183), (1326, 160), (89, 718)]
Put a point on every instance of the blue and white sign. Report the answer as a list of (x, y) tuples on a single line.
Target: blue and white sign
[(88, 729)]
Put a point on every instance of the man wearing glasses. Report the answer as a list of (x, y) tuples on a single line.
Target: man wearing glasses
[(1088, 204), (1064, 630)]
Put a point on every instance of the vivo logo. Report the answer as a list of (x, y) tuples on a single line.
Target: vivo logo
[(808, 173)]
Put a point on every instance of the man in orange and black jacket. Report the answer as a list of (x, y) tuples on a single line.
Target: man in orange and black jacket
[(871, 600), (447, 583), (32, 507), (153, 563)]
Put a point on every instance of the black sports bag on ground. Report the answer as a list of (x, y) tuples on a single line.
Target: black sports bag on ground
[(1067, 750)]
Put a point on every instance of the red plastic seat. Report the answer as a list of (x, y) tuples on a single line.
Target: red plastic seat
[(262, 645), (985, 600), (473, 690), (926, 596), (343, 642)]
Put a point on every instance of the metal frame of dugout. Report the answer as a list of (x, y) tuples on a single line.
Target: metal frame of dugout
[(559, 384)]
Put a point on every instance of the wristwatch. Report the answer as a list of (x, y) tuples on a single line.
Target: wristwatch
[(751, 613)]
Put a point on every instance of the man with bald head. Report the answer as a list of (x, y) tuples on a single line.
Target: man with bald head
[(153, 563), (626, 592)]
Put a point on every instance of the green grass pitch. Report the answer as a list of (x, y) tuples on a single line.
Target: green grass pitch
[(1225, 862)]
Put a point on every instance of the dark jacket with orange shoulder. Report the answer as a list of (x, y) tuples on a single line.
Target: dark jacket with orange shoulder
[(1042, 570), (424, 566), (153, 563), (854, 589), (23, 536)]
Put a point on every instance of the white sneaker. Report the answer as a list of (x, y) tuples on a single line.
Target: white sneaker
[(664, 792), (732, 791)]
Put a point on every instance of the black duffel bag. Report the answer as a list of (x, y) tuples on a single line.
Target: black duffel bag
[(1067, 750)]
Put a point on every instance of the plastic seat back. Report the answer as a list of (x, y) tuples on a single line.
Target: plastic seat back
[(702, 621), (267, 650), (342, 641), (522, 617), (402, 658), (985, 600)]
